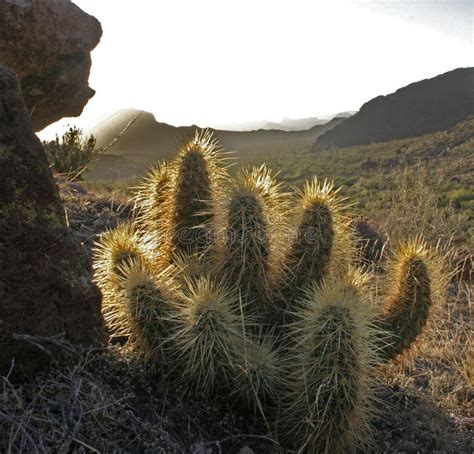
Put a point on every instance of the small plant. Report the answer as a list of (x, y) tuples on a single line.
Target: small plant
[(245, 291), (72, 153)]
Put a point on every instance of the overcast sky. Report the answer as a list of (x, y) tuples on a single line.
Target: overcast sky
[(211, 62)]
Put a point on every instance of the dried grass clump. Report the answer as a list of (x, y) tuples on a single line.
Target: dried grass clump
[(371, 241), (104, 402)]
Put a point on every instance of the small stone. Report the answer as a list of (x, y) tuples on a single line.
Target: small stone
[(246, 450)]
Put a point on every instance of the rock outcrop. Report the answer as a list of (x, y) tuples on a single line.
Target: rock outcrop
[(420, 108), (45, 278), (48, 44)]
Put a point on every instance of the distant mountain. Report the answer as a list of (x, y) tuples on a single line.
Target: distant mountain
[(346, 114), (420, 108), (286, 124), (146, 141)]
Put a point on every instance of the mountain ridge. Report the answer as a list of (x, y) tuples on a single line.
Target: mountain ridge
[(422, 107), (147, 140)]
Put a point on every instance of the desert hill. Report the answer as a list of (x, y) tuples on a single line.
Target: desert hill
[(420, 108), (147, 141)]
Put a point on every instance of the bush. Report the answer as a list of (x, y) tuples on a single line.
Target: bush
[(72, 153), (460, 196)]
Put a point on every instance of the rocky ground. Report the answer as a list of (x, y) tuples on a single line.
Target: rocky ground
[(107, 401)]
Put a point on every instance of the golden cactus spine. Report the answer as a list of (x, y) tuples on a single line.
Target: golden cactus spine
[(254, 211), (328, 404), (196, 176), (208, 337), (150, 199), (258, 375), (149, 308), (321, 241), (414, 290), (317, 363), (115, 249)]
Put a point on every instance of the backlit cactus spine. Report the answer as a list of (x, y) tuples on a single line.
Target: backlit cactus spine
[(250, 293)]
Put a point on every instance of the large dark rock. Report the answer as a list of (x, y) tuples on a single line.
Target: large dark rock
[(45, 278), (423, 107), (48, 44)]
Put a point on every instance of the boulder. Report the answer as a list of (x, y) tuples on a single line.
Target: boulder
[(48, 44), (45, 277), (371, 240)]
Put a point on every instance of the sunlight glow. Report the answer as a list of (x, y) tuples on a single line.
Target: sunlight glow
[(212, 62)]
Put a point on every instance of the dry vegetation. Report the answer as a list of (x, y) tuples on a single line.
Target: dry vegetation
[(108, 401)]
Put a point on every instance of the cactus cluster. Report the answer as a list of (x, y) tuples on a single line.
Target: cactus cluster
[(241, 290)]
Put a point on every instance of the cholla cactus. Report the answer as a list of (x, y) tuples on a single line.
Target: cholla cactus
[(248, 292)]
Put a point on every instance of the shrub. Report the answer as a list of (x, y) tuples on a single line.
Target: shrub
[(72, 153)]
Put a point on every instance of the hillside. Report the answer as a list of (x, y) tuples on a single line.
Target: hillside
[(443, 160), (419, 108), (147, 141)]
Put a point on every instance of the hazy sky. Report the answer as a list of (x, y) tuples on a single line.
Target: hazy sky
[(211, 62)]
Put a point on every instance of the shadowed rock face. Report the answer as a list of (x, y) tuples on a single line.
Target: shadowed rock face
[(48, 44), (45, 279)]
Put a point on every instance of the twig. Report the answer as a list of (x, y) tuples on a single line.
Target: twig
[(231, 437), (110, 145), (58, 340)]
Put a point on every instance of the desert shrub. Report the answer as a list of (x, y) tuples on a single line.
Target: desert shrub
[(410, 205), (72, 153)]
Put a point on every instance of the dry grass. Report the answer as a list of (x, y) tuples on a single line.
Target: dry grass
[(108, 402), (429, 394)]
